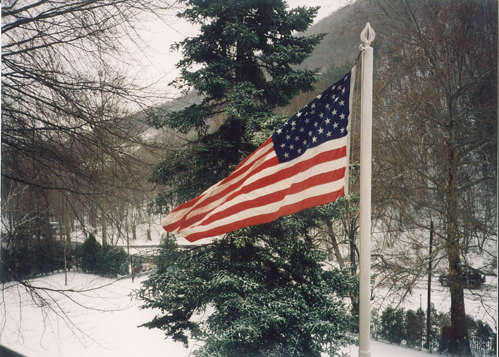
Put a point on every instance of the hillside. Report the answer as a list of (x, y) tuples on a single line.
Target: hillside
[(340, 47)]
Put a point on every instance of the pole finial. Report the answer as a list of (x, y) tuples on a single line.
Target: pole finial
[(367, 35)]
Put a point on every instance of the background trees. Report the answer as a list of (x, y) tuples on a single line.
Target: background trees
[(70, 145), (436, 125)]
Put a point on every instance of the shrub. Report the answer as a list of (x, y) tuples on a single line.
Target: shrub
[(484, 337), (90, 251), (392, 322), (111, 261), (32, 259), (18, 263), (414, 327)]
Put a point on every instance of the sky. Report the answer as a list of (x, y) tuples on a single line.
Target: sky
[(156, 64)]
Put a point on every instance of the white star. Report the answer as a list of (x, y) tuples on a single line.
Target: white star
[(299, 151), (321, 115), (297, 138), (279, 131), (283, 145), (342, 116), (334, 112), (291, 147), (342, 130), (310, 133), (288, 137), (286, 154), (321, 130), (315, 124), (307, 121), (328, 133), (342, 102), (302, 130), (328, 121), (298, 115), (314, 139), (304, 142), (335, 125)]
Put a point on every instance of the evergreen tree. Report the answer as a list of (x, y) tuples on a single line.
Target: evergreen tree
[(264, 293), (414, 327), (263, 288), (89, 254), (246, 50), (392, 325)]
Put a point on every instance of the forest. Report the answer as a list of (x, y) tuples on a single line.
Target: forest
[(91, 160)]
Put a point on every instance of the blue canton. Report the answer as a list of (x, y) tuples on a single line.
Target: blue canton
[(324, 118)]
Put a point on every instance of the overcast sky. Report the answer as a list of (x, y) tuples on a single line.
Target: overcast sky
[(157, 64)]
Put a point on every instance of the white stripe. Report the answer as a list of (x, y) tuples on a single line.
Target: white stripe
[(217, 189), (276, 186), (256, 161), (280, 186), (315, 191)]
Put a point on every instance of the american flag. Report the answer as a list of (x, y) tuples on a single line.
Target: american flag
[(303, 164)]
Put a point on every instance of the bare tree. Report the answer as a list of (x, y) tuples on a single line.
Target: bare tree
[(436, 134), (67, 122), (72, 144)]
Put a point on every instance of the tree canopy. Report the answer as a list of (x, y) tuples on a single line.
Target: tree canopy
[(241, 64)]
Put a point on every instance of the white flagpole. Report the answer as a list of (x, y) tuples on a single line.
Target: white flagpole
[(367, 36)]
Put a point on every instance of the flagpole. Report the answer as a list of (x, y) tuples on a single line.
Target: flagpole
[(367, 36)]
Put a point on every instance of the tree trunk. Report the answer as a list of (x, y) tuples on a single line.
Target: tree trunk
[(334, 243), (459, 339), (104, 228)]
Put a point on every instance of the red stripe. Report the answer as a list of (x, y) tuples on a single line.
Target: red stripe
[(276, 177), (272, 197), (236, 173), (256, 152), (265, 218), (234, 187)]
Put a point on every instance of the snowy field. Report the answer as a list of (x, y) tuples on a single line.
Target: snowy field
[(481, 303), (104, 322)]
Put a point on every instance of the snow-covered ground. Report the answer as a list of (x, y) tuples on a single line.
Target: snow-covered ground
[(102, 322), (103, 319), (481, 303)]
